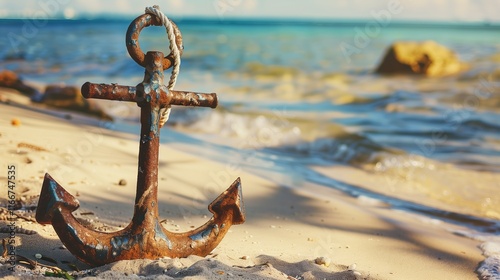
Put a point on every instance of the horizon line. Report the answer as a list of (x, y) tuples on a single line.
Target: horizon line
[(285, 20)]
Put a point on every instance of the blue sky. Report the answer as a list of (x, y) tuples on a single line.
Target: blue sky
[(433, 10)]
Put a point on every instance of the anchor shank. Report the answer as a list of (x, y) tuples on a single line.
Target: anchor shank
[(149, 91), (147, 176)]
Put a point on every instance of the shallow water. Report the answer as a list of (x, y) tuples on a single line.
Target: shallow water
[(291, 101)]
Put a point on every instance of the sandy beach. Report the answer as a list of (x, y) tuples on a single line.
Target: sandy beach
[(286, 229)]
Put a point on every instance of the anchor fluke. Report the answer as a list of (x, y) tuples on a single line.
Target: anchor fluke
[(230, 202), (53, 197)]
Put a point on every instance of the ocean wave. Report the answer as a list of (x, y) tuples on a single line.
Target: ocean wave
[(463, 190), (489, 269), (349, 148), (270, 71), (483, 125), (309, 139), (254, 130)]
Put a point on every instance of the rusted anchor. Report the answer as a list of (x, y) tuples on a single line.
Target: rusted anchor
[(144, 237)]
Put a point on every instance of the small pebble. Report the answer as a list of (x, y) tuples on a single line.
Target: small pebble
[(323, 261), (245, 257), (352, 267), (15, 122), (38, 256), (122, 182)]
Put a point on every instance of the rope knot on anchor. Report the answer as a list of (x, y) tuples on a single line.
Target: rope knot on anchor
[(174, 50)]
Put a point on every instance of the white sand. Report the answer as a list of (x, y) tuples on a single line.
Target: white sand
[(286, 228)]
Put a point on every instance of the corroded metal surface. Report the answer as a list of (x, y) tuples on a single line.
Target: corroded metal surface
[(144, 237), (128, 93), (132, 39)]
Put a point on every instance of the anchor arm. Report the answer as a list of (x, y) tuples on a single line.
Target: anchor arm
[(227, 210), (99, 248)]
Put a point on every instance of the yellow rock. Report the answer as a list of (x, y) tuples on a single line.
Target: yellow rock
[(427, 58), (15, 122)]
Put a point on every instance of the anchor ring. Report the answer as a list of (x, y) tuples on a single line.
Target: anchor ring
[(132, 39)]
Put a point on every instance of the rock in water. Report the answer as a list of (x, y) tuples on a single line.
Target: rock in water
[(10, 79), (70, 98), (427, 58), (63, 97)]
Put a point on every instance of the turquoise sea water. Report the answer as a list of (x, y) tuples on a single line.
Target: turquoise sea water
[(293, 98)]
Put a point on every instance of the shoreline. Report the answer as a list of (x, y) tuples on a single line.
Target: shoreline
[(286, 227)]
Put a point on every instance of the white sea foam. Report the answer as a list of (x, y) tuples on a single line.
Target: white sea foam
[(489, 269), (370, 201), (258, 131)]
